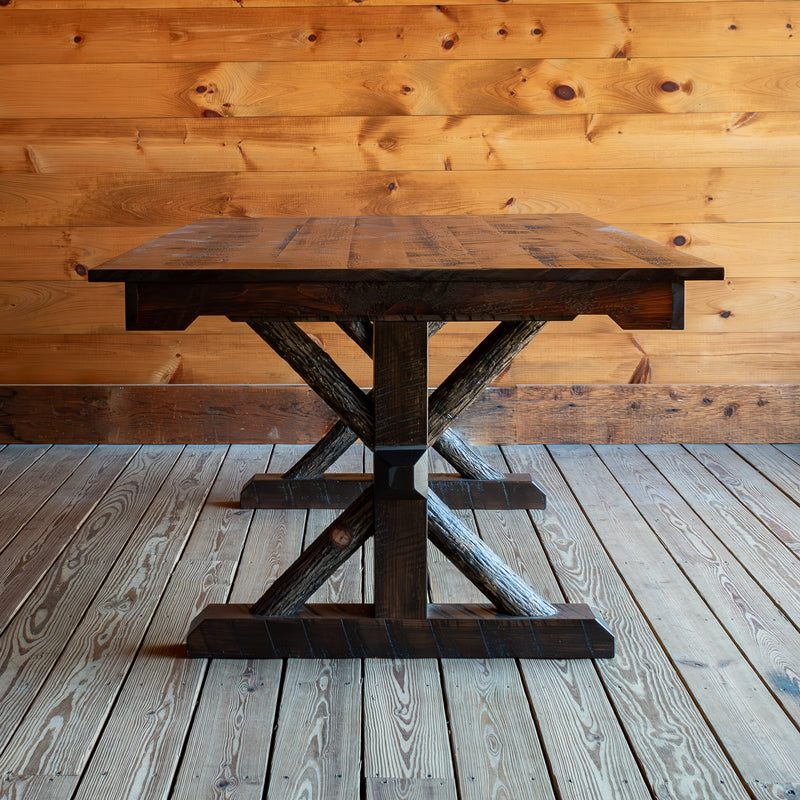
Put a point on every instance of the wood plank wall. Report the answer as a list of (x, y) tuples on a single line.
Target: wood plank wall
[(122, 119)]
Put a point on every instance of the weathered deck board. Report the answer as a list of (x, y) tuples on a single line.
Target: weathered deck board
[(30, 554), (137, 755), (743, 713), (16, 459), (791, 450), (677, 750), (775, 567), (229, 741), (685, 551), (496, 747), (647, 701), (320, 706), (777, 511), (70, 710), (33, 642), (777, 467), (35, 485), (767, 638)]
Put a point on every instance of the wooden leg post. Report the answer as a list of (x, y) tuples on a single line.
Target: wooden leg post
[(401, 469)]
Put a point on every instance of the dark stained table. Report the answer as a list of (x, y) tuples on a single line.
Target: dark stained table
[(390, 283)]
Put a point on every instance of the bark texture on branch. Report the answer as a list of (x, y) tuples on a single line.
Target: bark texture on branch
[(320, 372), (319, 560), (509, 593), (482, 366)]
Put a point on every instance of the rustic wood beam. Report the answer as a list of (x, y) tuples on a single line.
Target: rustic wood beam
[(338, 490), (258, 414), (353, 631), (348, 532), (509, 593), (320, 372), (474, 374), (464, 458), (400, 467)]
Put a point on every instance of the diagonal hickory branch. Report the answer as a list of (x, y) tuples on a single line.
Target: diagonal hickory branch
[(339, 437), (321, 373), (319, 560), (474, 374), (509, 593)]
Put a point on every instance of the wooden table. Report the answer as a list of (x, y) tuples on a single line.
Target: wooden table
[(390, 283)]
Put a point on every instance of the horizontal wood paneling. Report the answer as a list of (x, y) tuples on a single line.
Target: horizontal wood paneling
[(582, 30), (770, 249), (745, 304), (658, 357), (333, 88), (524, 414), (72, 5), (676, 120), (61, 307), (346, 144), (630, 196), (65, 253)]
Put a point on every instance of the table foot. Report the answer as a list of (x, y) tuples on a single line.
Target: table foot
[(352, 631), (339, 490)]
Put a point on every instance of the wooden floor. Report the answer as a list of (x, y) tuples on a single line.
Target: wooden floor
[(690, 553)]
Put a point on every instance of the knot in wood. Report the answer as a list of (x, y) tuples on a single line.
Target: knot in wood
[(564, 92), (341, 537)]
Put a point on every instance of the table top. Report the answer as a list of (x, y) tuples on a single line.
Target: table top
[(412, 267), (560, 247)]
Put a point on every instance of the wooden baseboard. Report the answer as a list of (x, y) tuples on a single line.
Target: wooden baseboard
[(550, 414)]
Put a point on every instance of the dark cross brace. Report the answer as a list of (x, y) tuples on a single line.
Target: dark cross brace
[(399, 422), (509, 593)]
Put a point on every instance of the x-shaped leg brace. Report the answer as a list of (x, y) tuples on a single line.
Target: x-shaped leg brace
[(401, 511), (357, 412)]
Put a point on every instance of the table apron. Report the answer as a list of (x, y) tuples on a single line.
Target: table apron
[(631, 304)]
